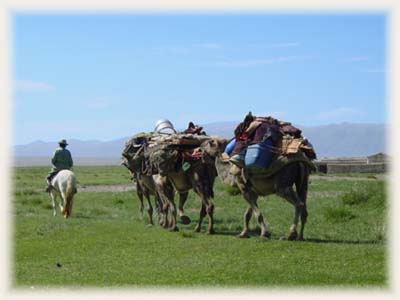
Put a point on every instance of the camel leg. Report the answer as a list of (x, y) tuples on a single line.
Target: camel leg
[(304, 215), (207, 207), (251, 198), (302, 190), (210, 212), (201, 217), (139, 193), (289, 194), (166, 193), (172, 225), (165, 209), (182, 200), (159, 208), (246, 220), (146, 194)]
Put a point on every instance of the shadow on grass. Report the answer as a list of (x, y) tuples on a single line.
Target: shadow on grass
[(335, 241)]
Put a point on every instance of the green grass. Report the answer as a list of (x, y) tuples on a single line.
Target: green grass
[(33, 178), (107, 244)]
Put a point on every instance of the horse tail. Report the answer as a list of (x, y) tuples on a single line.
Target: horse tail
[(69, 194)]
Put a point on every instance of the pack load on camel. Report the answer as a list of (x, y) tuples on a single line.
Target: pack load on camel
[(180, 159), (265, 143), (165, 149)]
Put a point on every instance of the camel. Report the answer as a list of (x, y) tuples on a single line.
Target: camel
[(255, 184), (200, 177), (161, 189)]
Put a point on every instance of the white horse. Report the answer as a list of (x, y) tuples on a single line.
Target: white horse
[(64, 185)]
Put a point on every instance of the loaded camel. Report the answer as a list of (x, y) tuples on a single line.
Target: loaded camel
[(160, 188), (253, 185), (200, 177)]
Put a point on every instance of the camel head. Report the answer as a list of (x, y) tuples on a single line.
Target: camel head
[(215, 146)]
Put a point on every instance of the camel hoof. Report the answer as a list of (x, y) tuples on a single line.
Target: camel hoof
[(211, 231), (292, 236), (185, 220), (196, 229), (173, 229), (243, 236), (301, 239), (266, 235)]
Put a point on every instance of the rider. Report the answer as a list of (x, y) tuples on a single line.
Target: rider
[(61, 160)]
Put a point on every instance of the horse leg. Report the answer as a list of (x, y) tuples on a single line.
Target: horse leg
[(182, 200), (53, 202), (65, 210), (69, 204), (62, 204)]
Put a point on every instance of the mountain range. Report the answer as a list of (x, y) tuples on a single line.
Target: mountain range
[(335, 140)]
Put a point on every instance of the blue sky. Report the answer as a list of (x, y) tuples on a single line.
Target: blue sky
[(104, 77)]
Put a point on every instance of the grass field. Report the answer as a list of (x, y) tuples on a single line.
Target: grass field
[(107, 244)]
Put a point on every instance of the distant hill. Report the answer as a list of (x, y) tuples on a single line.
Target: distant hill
[(336, 140)]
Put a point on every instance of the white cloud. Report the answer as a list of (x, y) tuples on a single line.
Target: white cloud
[(376, 71), (283, 45), (210, 45), (261, 62), (33, 86), (355, 59), (339, 114), (98, 103)]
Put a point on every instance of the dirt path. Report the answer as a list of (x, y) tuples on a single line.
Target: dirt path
[(105, 188), (378, 177), (131, 187)]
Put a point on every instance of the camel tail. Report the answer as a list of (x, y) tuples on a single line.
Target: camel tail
[(302, 181)]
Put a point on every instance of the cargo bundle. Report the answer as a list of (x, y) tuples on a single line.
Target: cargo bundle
[(155, 152), (261, 142)]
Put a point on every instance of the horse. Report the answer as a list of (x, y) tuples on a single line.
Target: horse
[(63, 185), (253, 185)]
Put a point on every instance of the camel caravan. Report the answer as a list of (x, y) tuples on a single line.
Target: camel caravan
[(265, 156)]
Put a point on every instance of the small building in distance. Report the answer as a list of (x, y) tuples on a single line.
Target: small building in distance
[(378, 158), (376, 163)]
